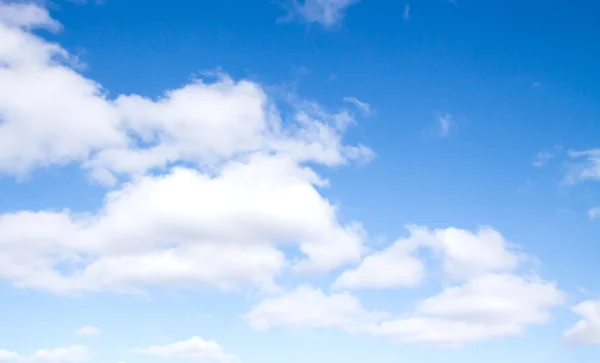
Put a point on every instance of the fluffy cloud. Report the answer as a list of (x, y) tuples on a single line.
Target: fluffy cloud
[(395, 266), (485, 307), (53, 115), (328, 13), (88, 330), (309, 307), (194, 348), (489, 300), (26, 15), (71, 354), (464, 254), (185, 228), (587, 330), (220, 221)]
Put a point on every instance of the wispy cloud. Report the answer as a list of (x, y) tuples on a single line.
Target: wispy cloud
[(328, 13), (542, 158), (585, 167), (445, 123), (406, 14), (362, 106), (594, 213)]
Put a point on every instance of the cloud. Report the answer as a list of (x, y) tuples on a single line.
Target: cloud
[(406, 13), (177, 230), (71, 354), (327, 13), (487, 299), (395, 266), (26, 16), (88, 330), (587, 330), (194, 348), (486, 307), (463, 254), (594, 213), (203, 124), (201, 180), (445, 122), (362, 106), (542, 158), (307, 307), (585, 167)]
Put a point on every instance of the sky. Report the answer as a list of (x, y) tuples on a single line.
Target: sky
[(302, 181)]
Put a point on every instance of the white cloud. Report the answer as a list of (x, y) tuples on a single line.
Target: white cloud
[(88, 330), (485, 307), (464, 255), (395, 266), (177, 229), (194, 348), (203, 124), (406, 13), (445, 122), (218, 222), (587, 330), (542, 158), (489, 300), (362, 106), (328, 13), (71, 354), (26, 15), (586, 166), (307, 307)]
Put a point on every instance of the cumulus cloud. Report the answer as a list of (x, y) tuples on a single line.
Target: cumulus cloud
[(88, 330), (194, 348), (71, 354), (328, 13), (53, 115), (487, 300), (587, 330), (490, 306), (309, 307), (203, 178), (463, 254)]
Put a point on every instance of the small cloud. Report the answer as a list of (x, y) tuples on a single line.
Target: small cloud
[(88, 330), (363, 106), (542, 158), (406, 14), (536, 84), (586, 166), (594, 213), (445, 122), (328, 13)]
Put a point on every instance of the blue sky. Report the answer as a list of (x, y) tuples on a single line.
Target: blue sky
[(329, 180)]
